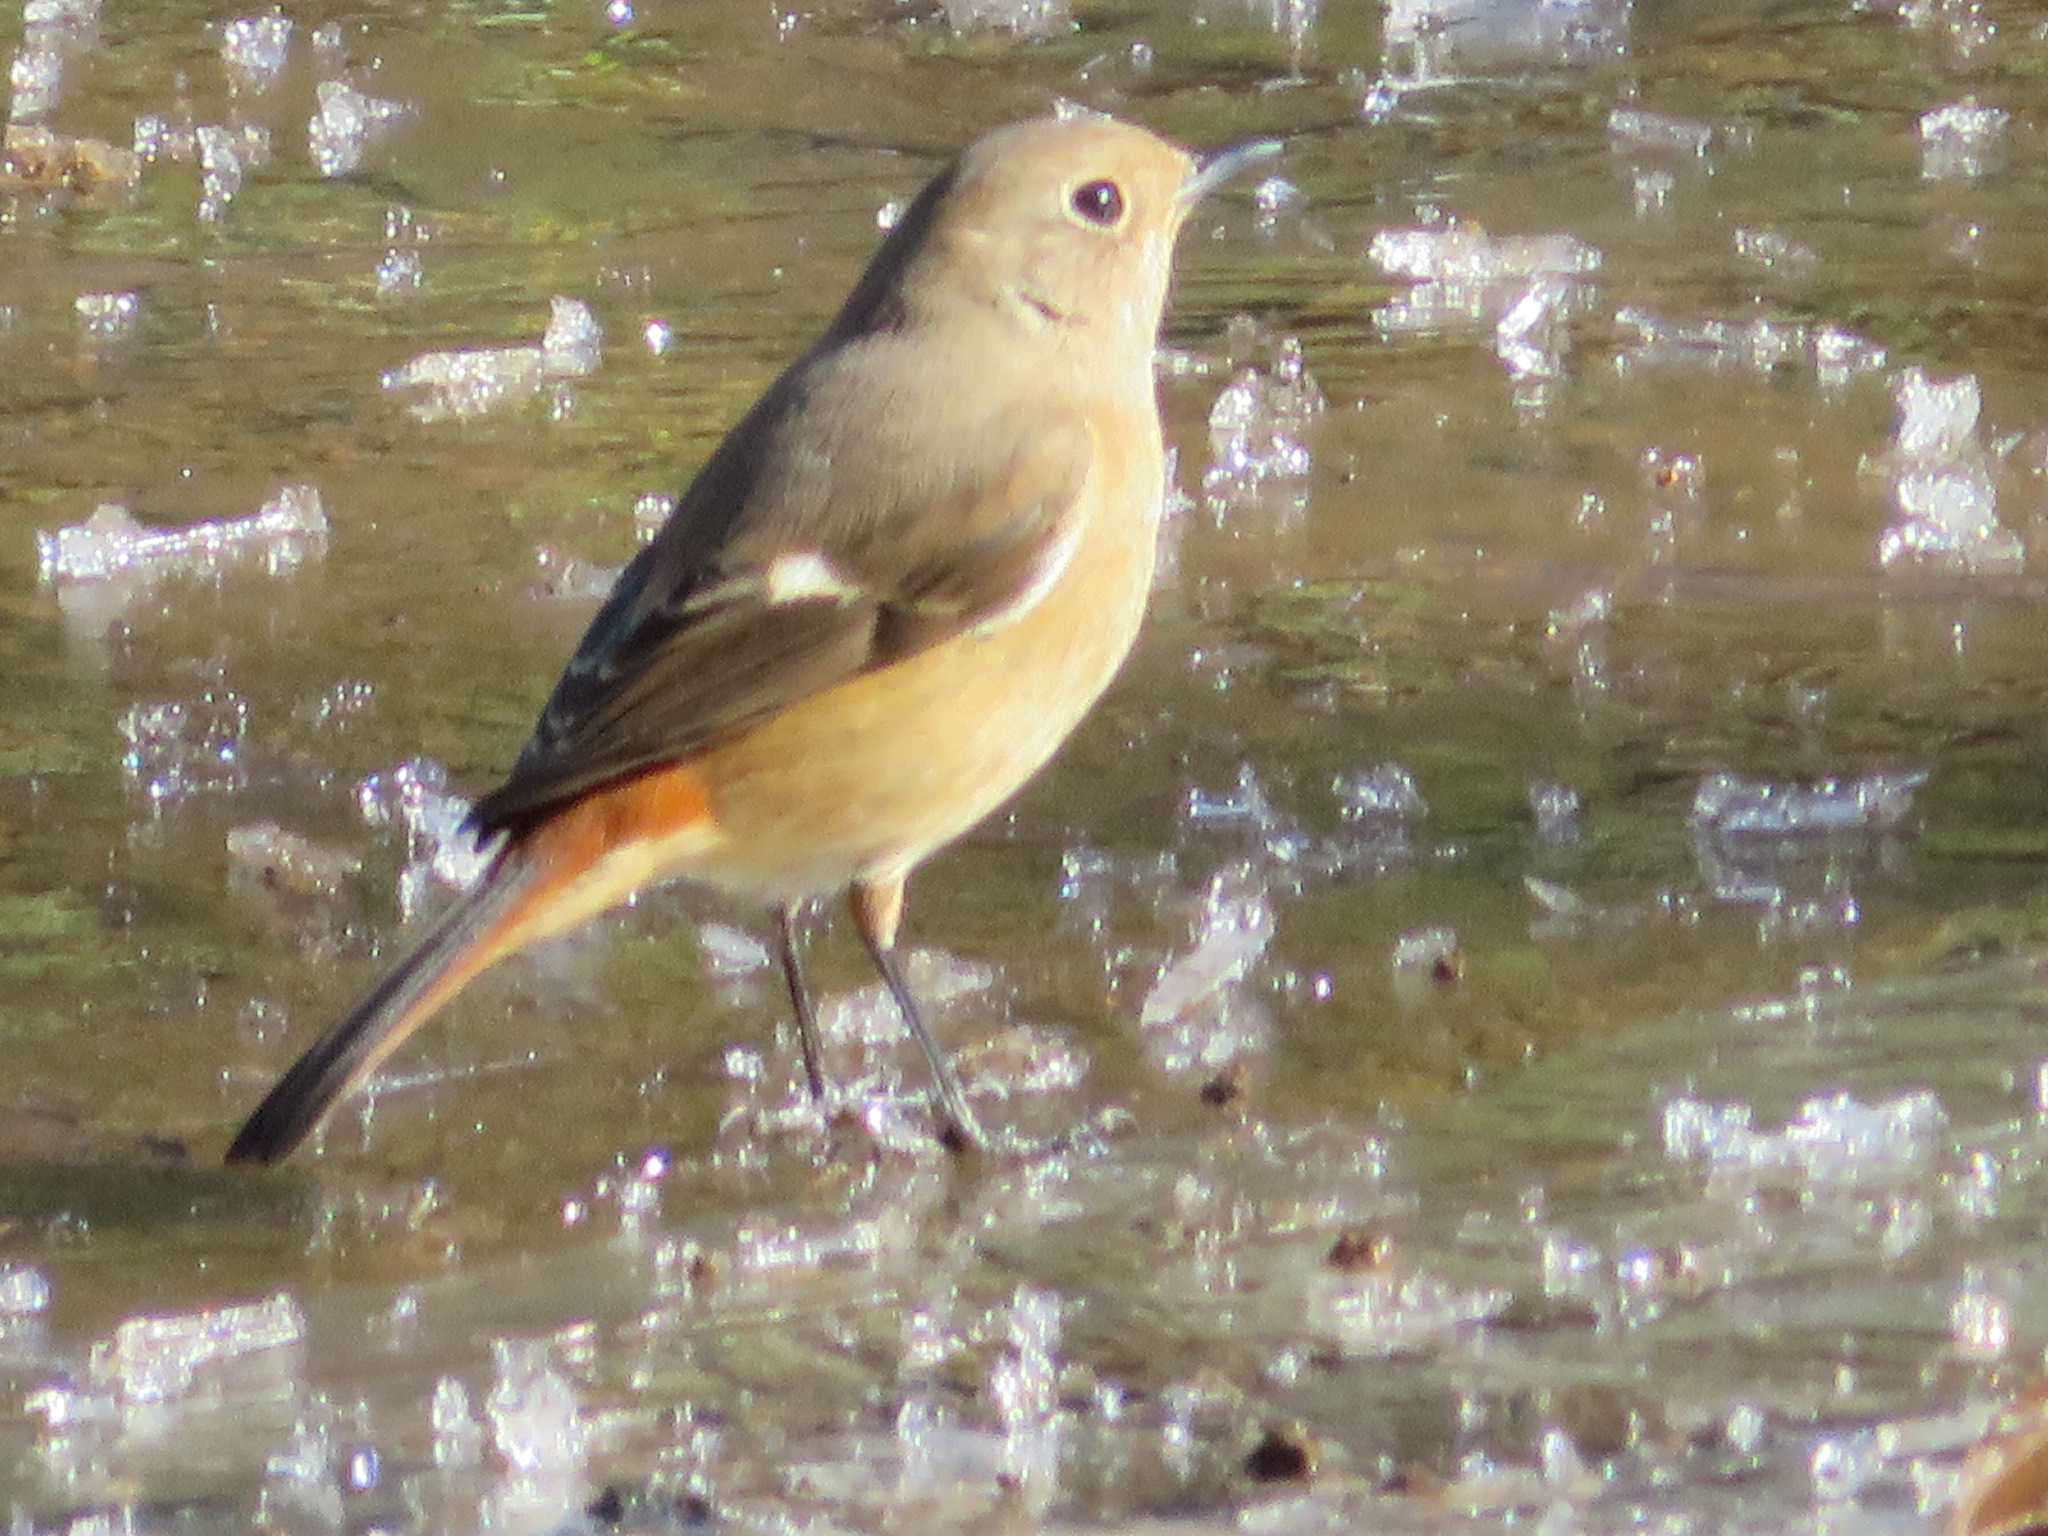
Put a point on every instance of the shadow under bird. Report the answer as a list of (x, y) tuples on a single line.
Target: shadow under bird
[(886, 599)]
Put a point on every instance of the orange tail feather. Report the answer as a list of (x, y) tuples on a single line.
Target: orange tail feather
[(549, 879), (480, 928)]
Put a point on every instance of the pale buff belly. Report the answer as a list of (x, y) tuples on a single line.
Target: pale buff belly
[(888, 767)]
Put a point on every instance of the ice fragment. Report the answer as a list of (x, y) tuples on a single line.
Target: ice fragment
[(346, 125), (1434, 42), (225, 158), (1729, 805), (440, 849), (399, 273), (255, 48), (107, 317), (463, 385), (181, 748), (36, 78), (103, 565), (1835, 1139), (1026, 18), (1256, 428), (1632, 130), (1942, 483), (1235, 926), (1961, 141), (23, 1291), (533, 1412), (458, 1437), (1386, 791), (1024, 1386), (1525, 289), (153, 1359), (650, 512)]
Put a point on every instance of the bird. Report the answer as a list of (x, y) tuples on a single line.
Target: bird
[(884, 601)]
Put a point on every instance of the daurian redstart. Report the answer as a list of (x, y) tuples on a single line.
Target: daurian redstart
[(883, 603)]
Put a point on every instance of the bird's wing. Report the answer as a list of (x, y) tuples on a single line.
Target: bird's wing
[(830, 534)]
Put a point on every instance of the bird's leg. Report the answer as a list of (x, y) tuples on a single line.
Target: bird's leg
[(800, 1000), (877, 908)]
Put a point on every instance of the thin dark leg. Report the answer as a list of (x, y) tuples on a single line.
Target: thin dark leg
[(800, 1000), (875, 911)]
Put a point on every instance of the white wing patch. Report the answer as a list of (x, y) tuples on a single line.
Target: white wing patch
[(805, 576)]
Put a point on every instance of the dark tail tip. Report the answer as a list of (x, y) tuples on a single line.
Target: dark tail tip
[(264, 1139), (402, 998), (290, 1110), (302, 1097)]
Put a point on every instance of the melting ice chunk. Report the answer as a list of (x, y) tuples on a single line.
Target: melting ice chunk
[(1530, 337), (1199, 1016), (346, 124), (152, 1359), (1833, 1139), (1024, 1385), (458, 1438), (571, 345), (468, 384), (1235, 926), (1556, 809), (1753, 344), (101, 566), (564, 577), (1633, 131), (464, 385), (1775, 251), (1256, 427), (1465, 253), (255, 48), (225, 157), (1423, 960), (1731, 806), (730, 951), (1947, 501), (35, 156), (107, 316), (1378, 1315), (1525, 288), (23, 1291), (650, 513), (1026, 18), (400, 272), (533, 1412), (287, 862), (1937, 418), (1274, 196), (36, 78), (1386, 791), (72, 20), (414, 796), (185, 747), (1961, 141), (1430, 42)]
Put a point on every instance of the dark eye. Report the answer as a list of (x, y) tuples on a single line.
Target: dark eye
[(1099, 202)]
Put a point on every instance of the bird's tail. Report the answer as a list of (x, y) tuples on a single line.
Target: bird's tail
[(489, 921)]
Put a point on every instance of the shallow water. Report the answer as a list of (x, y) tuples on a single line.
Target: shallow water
[(1487, 1111)]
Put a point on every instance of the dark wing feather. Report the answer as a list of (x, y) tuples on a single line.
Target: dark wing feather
[(923, 538)]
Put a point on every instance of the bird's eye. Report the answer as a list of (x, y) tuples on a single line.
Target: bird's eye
[(1099, 202)]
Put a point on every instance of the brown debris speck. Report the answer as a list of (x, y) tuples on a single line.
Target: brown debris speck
[(1284, 1454), (1360, 1250), (1226, 1087)]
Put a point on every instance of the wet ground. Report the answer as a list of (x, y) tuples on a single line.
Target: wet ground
[(1537, 954)]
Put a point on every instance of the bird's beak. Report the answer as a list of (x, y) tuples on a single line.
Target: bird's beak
[(1219, 166)]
